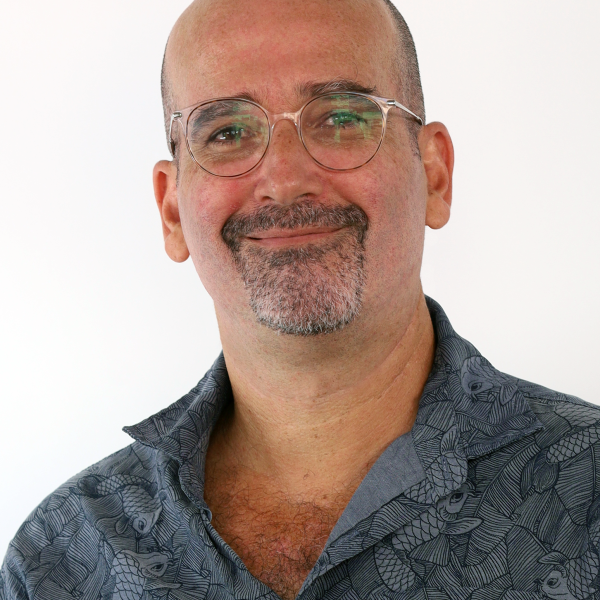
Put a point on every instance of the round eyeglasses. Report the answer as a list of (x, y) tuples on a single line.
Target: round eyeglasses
[(341, 131)]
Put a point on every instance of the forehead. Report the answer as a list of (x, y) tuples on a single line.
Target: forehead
[(275, 49)]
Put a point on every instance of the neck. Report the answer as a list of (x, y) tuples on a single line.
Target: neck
[(309, 420)]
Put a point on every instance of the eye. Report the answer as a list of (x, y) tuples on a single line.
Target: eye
[(552, 582), (475, 386), (231, 134), (455, 498), (343, 120)]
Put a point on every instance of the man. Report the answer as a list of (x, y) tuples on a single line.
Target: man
[(347, 443)]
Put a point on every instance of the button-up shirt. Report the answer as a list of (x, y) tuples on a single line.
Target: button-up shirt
[(493, 495)]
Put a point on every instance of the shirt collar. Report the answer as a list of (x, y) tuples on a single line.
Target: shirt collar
[(182, 430), (467, 409)]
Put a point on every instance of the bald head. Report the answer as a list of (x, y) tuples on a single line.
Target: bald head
[(403, 65)]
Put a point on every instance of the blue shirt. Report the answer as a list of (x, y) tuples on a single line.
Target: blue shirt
[(493, 495)]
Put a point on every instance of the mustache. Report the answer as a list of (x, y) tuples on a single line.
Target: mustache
[(304, 213)]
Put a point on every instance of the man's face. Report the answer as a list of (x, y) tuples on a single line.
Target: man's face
[(364, 253)]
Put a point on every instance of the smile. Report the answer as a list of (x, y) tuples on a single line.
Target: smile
[(281, 237)]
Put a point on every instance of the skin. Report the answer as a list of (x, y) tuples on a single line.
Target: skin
[(296, 429)]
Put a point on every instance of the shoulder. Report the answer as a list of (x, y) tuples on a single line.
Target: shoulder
[(553, 474), (565, 419), (61, 544)]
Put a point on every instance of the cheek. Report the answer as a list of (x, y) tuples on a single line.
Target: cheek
[(396, 210), (394, 199), (205, 204)]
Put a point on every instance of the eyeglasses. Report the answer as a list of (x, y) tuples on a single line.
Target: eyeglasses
[(229, 137)]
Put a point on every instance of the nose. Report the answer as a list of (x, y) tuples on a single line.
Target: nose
[(287, 172)]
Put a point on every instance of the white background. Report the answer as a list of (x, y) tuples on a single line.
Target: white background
[(98, 329)]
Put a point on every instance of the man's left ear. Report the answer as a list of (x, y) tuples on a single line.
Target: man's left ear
[(437, 154)]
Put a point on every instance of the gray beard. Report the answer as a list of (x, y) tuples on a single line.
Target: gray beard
[(308, 290)]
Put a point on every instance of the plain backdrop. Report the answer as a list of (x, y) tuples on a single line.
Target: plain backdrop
[(99, 329)]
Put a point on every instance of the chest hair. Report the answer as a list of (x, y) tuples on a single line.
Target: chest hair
[(278, 541)]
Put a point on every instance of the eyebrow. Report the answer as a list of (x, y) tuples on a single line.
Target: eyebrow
[(311, 89), (211, 113), (315, 88)]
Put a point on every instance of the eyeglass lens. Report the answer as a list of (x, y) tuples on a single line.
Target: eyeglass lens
[(230, 137)]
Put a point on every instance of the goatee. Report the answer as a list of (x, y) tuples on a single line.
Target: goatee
[(312, 289)]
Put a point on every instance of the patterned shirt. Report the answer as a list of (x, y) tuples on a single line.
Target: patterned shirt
[(493, 495)]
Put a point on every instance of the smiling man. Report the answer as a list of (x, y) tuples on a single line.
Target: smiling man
[(347, 443)]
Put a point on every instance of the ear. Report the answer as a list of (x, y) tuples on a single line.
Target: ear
[(165, 191), (437, 154)]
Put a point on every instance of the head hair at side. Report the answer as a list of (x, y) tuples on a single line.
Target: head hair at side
[(409, 82)]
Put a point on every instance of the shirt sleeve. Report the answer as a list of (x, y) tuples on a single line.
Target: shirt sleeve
[(18, 573), (12, 586)]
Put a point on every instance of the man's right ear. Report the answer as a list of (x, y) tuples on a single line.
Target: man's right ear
[(164, 177)]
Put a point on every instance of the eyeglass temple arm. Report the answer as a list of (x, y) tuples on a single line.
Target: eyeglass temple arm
[(171, 143), (401, 107)]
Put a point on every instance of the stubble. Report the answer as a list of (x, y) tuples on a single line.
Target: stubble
[(312, 289)]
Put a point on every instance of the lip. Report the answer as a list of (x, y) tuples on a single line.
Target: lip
[(277, 237)]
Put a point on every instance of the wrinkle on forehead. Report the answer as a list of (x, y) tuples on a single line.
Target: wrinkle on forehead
[(209, 32)]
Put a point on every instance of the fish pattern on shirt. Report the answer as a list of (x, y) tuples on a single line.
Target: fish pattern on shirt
[(507, 507)]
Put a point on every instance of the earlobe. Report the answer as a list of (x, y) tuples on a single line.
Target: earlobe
[(438, 212), (437, 154), (165, 191)]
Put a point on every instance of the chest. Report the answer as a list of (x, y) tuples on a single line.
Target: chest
[(279, 542)]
